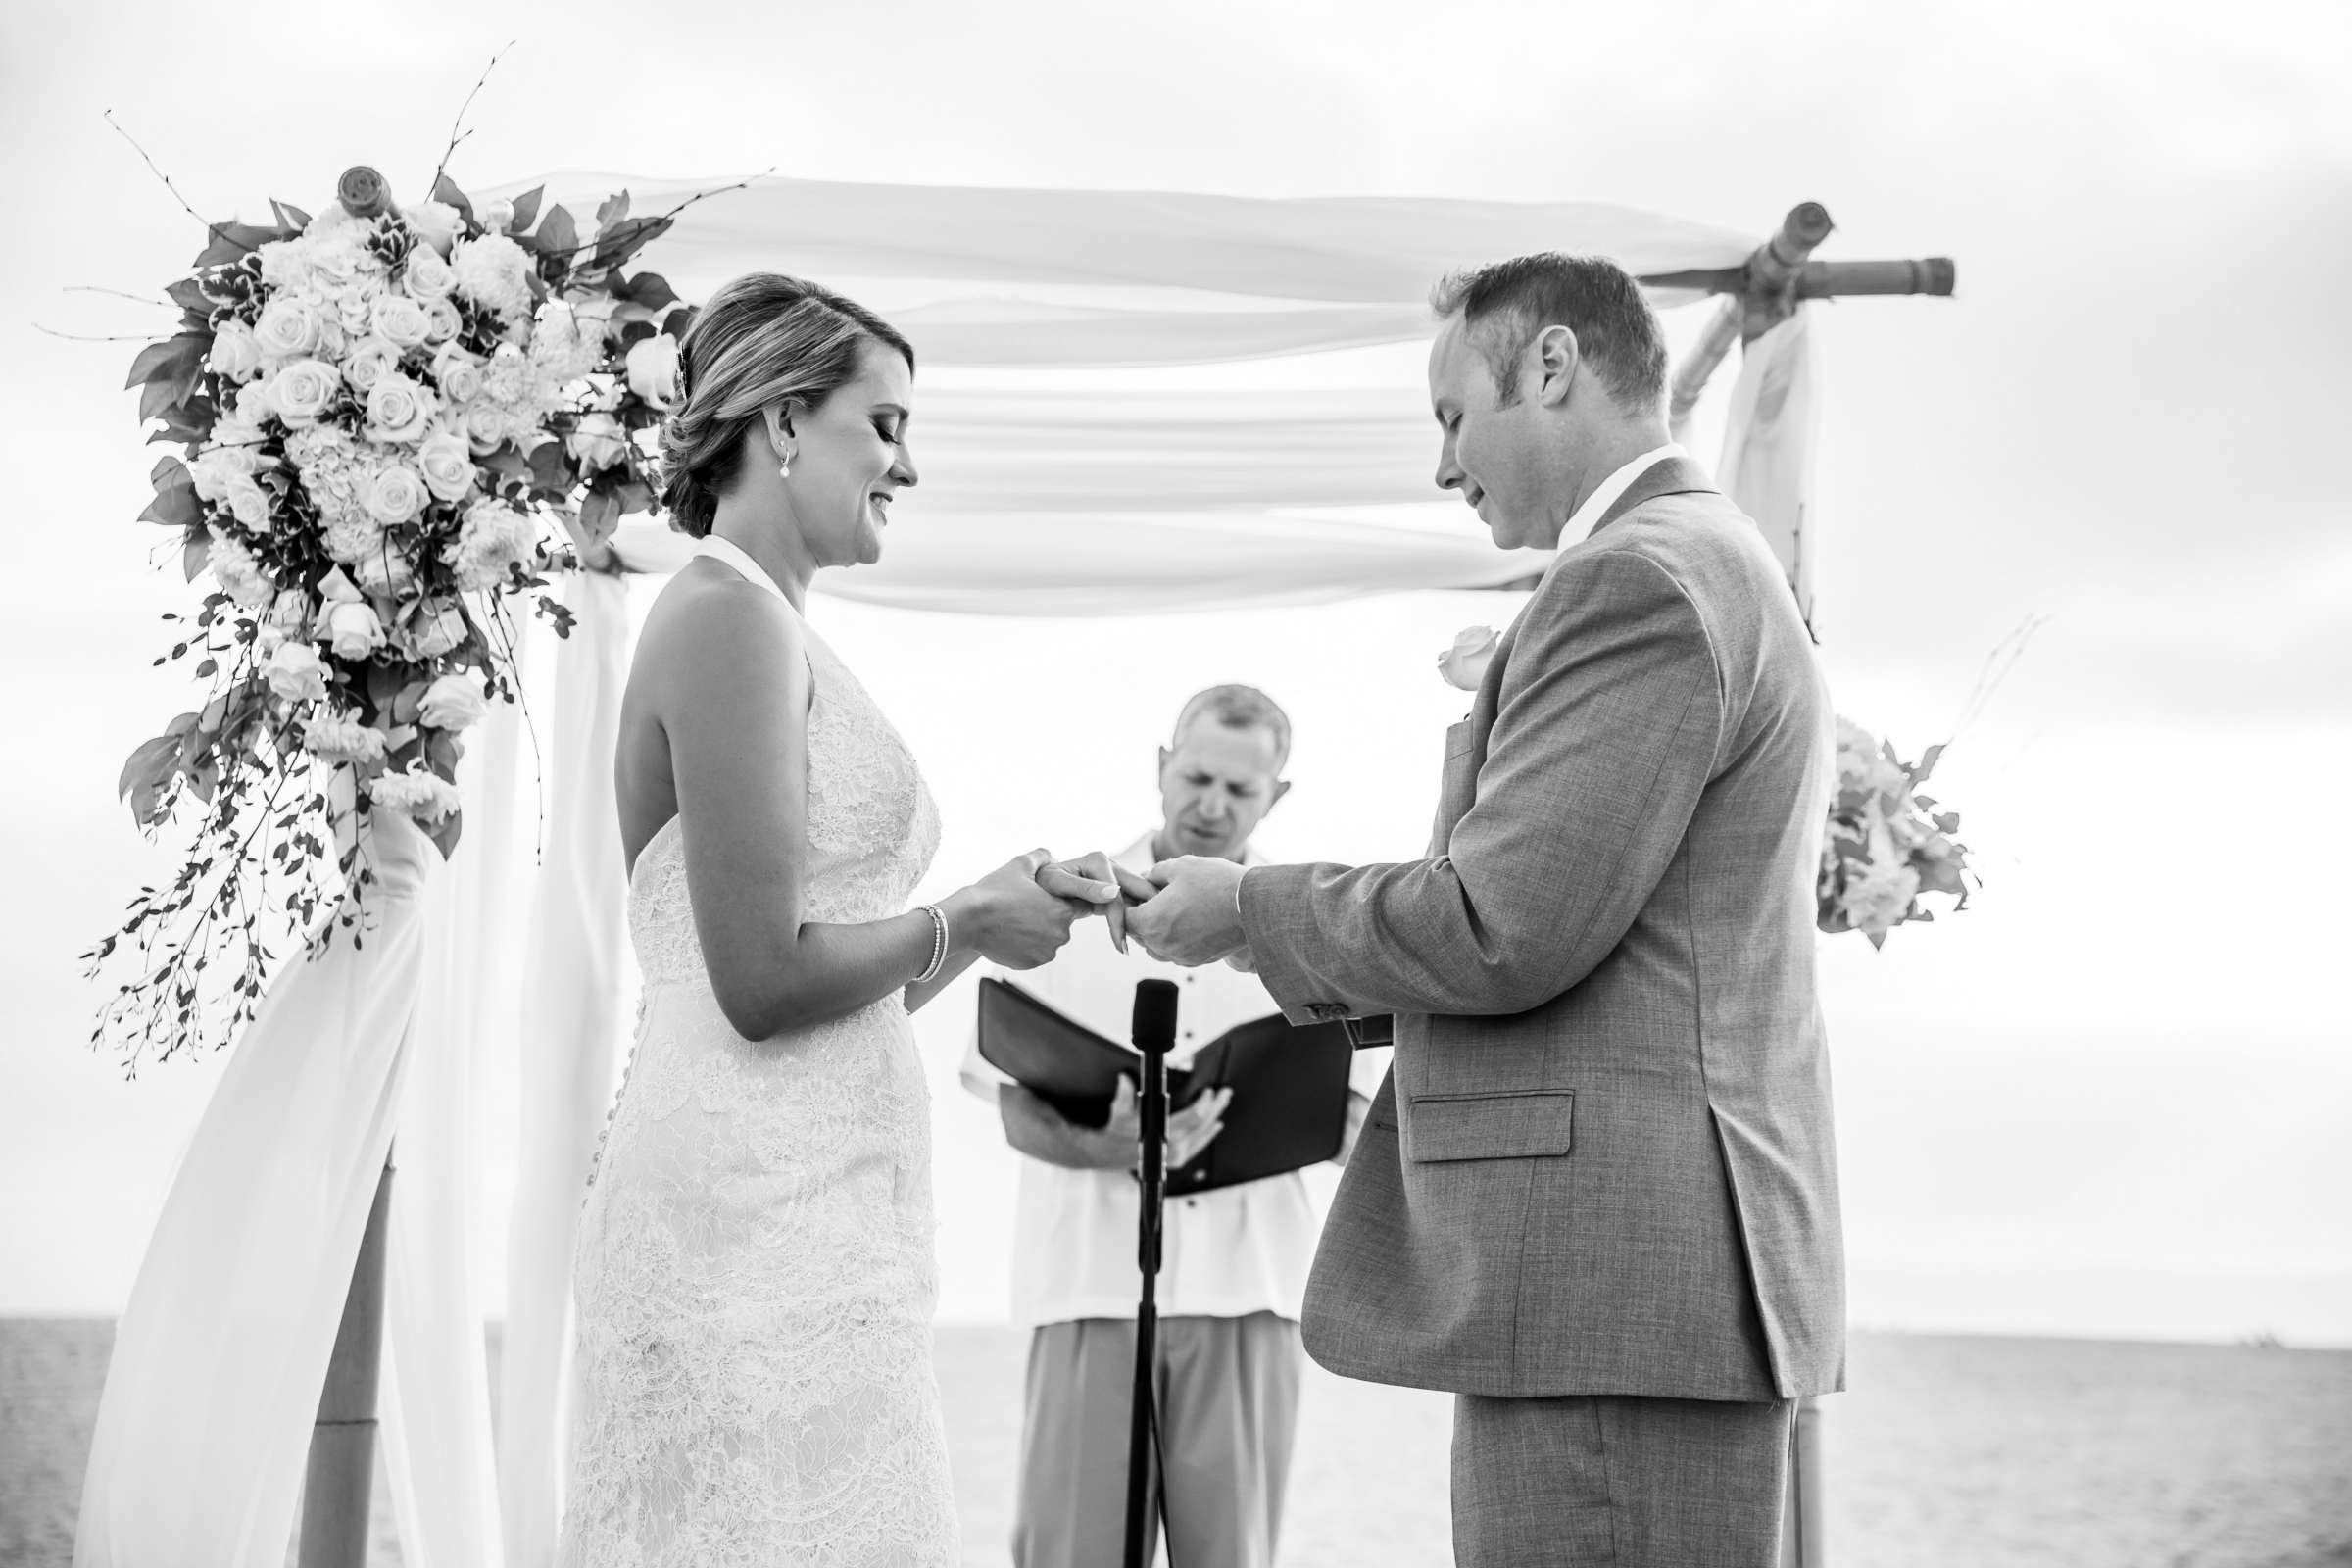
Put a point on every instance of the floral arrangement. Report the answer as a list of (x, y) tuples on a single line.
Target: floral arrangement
[(1886, 843), (390, 416)]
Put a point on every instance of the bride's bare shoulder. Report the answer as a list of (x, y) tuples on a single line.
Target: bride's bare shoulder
[(711, 627)]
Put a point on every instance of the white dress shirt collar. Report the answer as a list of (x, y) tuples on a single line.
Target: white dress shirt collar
[(1587, 517)]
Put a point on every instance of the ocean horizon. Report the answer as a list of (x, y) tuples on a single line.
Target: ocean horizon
[(1948, 1451)]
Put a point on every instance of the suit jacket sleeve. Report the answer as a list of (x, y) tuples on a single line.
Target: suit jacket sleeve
[(1606, 728)]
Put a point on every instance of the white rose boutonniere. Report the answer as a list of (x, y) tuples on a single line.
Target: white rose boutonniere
[(1464, 664), (454, 702)]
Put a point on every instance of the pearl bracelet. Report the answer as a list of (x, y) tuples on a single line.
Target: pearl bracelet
[(939, 945)]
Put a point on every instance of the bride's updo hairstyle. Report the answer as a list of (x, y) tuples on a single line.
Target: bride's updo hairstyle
[(760, 340)]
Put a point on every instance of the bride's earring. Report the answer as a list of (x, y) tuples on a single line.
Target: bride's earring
[(784, 468)]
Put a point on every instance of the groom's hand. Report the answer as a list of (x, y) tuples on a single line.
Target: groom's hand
[(1196, 917), (1104, 886)]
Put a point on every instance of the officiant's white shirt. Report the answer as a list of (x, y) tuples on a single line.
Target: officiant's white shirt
[(1227, 1253)]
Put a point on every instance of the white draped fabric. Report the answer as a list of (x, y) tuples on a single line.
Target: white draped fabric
[(1767, 465), (197, 1455), (567, 1046), (1076, 490)]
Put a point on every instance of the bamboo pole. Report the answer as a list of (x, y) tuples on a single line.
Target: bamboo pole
[(340, 1483)]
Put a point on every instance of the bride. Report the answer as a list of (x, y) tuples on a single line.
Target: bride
[(755, 1273)]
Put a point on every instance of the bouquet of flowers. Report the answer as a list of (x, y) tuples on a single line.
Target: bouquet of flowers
[(1886, 843), (390, 419)]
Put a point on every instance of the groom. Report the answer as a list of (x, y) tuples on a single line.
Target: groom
[(1598, 1196)]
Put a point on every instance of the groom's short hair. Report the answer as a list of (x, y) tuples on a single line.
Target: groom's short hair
[(1506, 304)]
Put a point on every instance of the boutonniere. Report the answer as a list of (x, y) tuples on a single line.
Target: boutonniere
[(1464, 664)]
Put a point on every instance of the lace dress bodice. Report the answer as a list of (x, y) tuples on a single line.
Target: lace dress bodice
[(755, 1275)]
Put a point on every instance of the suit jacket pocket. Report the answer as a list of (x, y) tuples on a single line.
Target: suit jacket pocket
[(1497, 1126)]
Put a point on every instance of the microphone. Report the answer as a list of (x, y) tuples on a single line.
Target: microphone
[(1154, 1035), (1154, 1028)]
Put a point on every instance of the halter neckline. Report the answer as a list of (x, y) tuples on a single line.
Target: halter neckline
[(733, 555)]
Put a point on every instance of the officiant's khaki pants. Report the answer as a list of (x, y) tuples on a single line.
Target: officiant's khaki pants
[(1607, 1481), (1228, 1391)]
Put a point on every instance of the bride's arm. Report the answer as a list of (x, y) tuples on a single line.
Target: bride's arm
[(734, 714)]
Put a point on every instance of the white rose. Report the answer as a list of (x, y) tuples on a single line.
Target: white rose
[(395, 494), (296, 672), (235, 353), (1464, 664), (288, 328), (437, 224), (653, 368), (439, 629), (492, 270), (419, 792), (247, 501), (400, 319), (454, 702), (232, 432), (217, 465), (370, 360), (458, 373), (443, 321), (426, 276), (342, 738), (599, 442), (446, 460), (486, 426), (300, 391), (239, 573), (354, 630), (385, 572), (254, 405), (496, 214), (398, 410)]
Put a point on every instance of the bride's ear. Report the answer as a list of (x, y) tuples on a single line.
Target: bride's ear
[(780, 436)]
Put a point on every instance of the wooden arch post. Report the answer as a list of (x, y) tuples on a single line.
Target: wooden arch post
[(1757, 296)]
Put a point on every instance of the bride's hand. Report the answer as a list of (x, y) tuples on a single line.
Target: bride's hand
[(1009, 918), (1098, 881)]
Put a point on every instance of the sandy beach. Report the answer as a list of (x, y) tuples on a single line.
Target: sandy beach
[(1949, 1452)]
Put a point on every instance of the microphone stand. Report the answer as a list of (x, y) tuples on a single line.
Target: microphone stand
[(1155, 1034)]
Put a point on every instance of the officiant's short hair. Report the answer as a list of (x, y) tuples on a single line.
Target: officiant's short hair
[(1616, 331), (1240, 708)]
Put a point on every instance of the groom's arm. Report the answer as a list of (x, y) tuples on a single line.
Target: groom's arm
[(1606, 731)]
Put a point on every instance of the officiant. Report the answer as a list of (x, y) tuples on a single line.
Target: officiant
[(1234, 1275)]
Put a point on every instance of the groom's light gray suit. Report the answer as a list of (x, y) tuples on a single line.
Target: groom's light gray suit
[(1598, 1196)]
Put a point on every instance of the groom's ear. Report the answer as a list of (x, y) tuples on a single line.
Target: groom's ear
[(1557, 358)]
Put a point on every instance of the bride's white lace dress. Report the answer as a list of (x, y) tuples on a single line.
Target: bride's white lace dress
[(756, 1271)]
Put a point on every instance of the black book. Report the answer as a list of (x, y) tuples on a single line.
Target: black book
[(1289, 1083)]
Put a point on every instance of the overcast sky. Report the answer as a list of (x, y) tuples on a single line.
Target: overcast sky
[(2129, 1058)]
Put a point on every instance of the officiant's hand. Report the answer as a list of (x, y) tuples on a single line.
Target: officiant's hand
[(1196, 916), (1120, 1141)]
